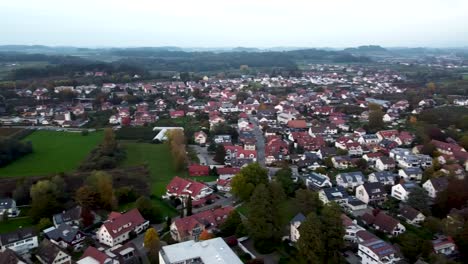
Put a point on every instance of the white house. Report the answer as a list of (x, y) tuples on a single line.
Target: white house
[(401, 191), (384, 164), (8, 206), (21, 240), (334, 194), (412, 174), (384, 177), (117, 228), (377, 251), (350, 180), (444, 245), (411, 215), (371, 192), (351, 228), (435, 185), (295, 223)]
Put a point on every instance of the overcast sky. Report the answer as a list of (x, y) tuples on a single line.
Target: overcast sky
[(232, 23)]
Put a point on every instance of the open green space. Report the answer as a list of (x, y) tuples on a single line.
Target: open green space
[(14, 223), (53, 152)]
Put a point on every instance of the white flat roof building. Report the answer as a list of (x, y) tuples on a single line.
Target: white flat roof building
[(212, 251)]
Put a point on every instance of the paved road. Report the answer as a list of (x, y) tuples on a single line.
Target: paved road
[(260, 141), (221, 202)]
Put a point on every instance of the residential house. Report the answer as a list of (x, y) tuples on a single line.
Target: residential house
[(444, 245), (21, 241), (353, 205), (385, 164), (49, 252), (350, 180), (237, 152), (66, 236), (198, 170), (385, 223), (317, 181), (401, 191), (182, 188), (411, 174), (351, 228), (384, 177), (371, 192), (298, 124), (120, 254), (294, 225), (447, 148), (377, 251), (210, 251), (342, 162), (117, 228), (222, 139), (435, 185), (227, 172), (411, 215), (223, 185), (8, 207), (190, 227), (336, 194), (70, 217), (8, 256), (200, 138)]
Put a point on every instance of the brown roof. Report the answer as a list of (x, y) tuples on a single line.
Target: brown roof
[(385, 222), (409, 212), (9, 257), (48, 251)]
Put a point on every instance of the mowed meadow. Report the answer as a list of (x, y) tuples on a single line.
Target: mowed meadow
[(53, 152)]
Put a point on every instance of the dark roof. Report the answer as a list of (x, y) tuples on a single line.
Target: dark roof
[(73, 214), (9, 257), (374, 188), (439, 184), (298, 218), (409, 212), (63, 232), (335, 193), (17, 235), (48, 251), (385, 222)]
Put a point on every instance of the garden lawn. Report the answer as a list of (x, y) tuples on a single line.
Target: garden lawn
[(14, 223), (53, 152)]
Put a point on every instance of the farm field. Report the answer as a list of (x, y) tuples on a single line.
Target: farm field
[(53, 152)]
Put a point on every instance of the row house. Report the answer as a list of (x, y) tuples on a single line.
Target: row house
[(383, 222), (350, 180), (317, 181), (377, 251), (383, 177)]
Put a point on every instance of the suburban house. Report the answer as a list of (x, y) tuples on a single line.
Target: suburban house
[(336, 194), (411, 215), (69, 217), (341, 162), (237, 152), (401, 191), (210, 251), (371, 192), (190, 227), (377, 251), (350, 180), (183, 188), (66, 236), (200, 138), (227, 172), (20, 241), (222, 139), (412, 174), (444, 245), (9, 256), (353, 205), (385, 164), (120, 254), (116, 229), (198, 170), (385, 223), (384, 177), (351, 228), (294, 224), (223, 185), (317, 181), (8, 207), (435, 185), (49, 252)]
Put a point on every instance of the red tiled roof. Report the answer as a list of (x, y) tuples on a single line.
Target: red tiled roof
[(228, 171), (115, 225), (198, 170), (297, 124), (209, 218), (181, 186), (95, 254)]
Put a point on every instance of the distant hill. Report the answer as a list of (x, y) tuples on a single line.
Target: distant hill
[(364, 49)]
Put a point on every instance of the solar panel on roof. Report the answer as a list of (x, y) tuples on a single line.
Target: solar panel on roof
[(386, 251), (378, 245)]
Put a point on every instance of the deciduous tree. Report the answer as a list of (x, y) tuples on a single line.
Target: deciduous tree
[(152, 244), (310, 245), (243, 184)]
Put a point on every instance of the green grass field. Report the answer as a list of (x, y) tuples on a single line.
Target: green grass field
[(15, 223), (53, 152)]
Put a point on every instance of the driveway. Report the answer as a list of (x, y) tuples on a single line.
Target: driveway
[(260, 141), (203, 155)]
